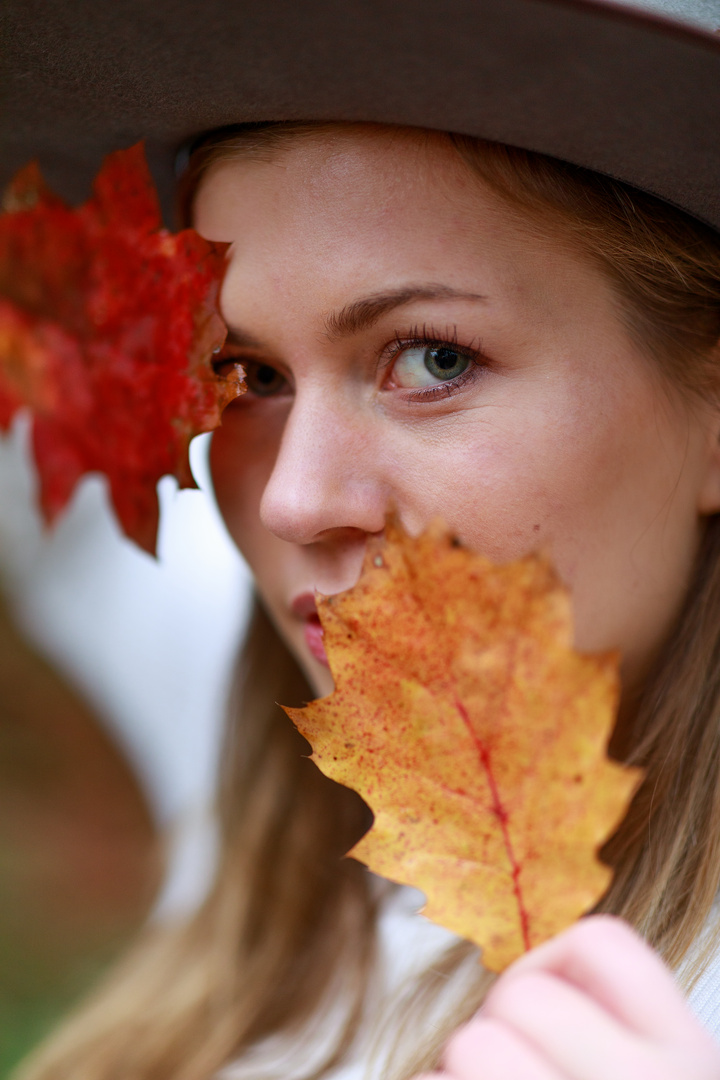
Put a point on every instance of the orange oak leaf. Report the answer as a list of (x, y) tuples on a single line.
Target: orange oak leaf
[(108, 324), (477, 736)]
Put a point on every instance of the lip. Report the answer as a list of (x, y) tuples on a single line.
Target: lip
[(304, 605), (304, 608)]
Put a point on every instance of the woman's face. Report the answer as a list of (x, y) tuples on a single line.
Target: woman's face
[(412, 343)]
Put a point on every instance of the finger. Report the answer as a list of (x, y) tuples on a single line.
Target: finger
[(605, 959), (567, 1029), (486, 1049)]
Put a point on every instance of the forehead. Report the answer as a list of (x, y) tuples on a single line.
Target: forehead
[(355, 212), (363, 174)]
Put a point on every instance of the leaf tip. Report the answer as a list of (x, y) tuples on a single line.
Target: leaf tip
[(28, 189)]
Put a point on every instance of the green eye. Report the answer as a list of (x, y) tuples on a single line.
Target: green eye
[(264, 380), (424, 365), (445, 363)]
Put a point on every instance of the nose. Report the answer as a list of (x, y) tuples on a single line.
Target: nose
[(327, 478)]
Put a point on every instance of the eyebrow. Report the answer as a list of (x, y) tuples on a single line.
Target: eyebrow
[(361, 314)]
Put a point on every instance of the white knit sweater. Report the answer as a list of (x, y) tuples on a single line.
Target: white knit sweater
[(408, 944)]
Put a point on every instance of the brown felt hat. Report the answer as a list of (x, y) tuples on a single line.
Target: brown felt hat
[(631, 91)]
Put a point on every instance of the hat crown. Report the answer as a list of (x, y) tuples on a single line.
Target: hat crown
[(628, 88)]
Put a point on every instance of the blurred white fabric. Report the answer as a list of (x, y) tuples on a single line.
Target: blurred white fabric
[(151, 643)]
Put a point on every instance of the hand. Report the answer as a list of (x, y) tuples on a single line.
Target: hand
[(595, 1003)]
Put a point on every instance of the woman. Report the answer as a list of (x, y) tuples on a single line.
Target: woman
[(446, 325)]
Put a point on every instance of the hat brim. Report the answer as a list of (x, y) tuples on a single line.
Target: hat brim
[(631, 95)]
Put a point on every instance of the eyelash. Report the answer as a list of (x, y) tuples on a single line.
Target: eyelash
[(419, 337), (428, 338), (225, 359)]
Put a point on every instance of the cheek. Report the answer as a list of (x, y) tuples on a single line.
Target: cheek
[(242, 455), (580, 478), (610, 490), (503, 495)]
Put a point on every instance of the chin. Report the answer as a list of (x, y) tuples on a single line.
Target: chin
[(319, 677)]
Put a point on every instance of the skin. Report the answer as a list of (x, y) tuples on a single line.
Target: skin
[(559, 433)]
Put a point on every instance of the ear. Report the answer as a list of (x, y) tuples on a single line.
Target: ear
[(709, 487)]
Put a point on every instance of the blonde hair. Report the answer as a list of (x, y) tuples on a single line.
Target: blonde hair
[(287, 916)]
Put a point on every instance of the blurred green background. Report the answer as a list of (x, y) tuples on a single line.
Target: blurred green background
[(79, 855)]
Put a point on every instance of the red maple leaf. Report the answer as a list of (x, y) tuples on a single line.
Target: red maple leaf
[(108, 324)]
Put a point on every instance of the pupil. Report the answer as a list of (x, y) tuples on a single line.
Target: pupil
[(445, 359), (265, 374)]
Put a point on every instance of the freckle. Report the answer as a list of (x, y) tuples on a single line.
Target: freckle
[(536, 528)]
